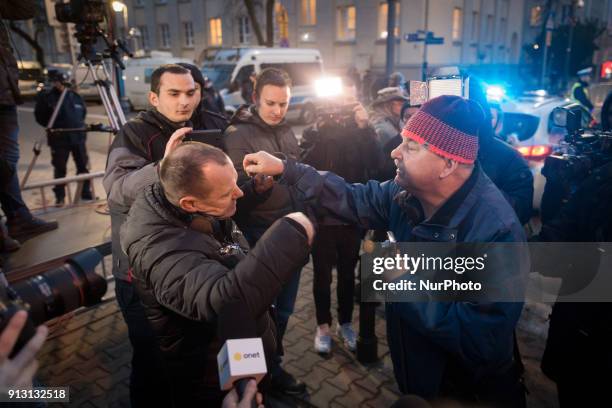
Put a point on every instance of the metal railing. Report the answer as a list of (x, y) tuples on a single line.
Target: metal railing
[(73, 200)]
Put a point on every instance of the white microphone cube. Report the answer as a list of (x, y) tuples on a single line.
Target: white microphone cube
[(241, 358)]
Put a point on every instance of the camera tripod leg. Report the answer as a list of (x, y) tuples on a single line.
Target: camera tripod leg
[(38, 143)]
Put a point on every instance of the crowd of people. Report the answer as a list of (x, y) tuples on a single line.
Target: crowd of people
[(198, 230)]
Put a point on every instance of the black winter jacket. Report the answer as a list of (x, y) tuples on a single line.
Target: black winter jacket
[(71, 115), (184, 281), (248, 133)]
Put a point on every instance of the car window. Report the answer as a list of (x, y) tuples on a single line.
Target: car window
[(147, 73), (519, 125)]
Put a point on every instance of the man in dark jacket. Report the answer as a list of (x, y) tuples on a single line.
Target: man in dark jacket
[(132, 165), (263, 127), (347, 146), (187, 265), (71, 115), (19, 220), (463, 350), (502, 163)]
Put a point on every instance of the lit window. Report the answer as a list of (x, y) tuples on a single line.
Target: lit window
[(457, 24), (383, 10), (214, 32), (165, 35), (308, 14), (345, 23), (188, 30), (535, 18)]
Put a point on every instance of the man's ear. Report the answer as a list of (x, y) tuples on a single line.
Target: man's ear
[(450, 166), (153, 99), (188, 203)]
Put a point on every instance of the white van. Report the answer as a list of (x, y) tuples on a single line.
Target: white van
[(137, 76), (230, 67)]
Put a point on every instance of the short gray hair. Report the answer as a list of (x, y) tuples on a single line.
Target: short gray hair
[(181, 171)]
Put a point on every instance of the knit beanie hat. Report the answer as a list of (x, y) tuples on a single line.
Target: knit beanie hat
[(448, 126)]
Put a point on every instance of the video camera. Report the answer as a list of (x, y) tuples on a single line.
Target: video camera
[(87, 16), (331, 106), (582, 151), (80, 11), (52, 294)]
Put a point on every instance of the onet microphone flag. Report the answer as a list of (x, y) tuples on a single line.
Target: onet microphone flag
[(241, 358)]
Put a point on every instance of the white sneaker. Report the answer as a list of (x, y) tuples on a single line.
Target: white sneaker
[(348, 336), (322, 342)]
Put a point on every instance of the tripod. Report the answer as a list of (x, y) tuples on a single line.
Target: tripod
[(106, 91)]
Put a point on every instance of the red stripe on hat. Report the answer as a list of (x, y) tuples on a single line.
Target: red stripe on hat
[(435, 149), (441, 138)]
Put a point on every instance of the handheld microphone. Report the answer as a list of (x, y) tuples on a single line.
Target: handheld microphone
[(242, 355)]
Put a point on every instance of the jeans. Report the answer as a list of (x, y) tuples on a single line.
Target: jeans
[(148, 387), (335, 246), (10, 197)]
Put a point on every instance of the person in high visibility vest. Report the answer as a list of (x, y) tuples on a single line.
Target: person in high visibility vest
[(580, 89)]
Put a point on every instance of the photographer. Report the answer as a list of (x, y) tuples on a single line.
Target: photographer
[(71, 115), (187, 265), (19, 220), (578, 357), (345, 144), (132, 164)]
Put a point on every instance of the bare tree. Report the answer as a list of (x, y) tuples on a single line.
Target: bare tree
[(250, 6), (32, 41)]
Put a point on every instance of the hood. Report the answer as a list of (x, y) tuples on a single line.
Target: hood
[(248, 114)]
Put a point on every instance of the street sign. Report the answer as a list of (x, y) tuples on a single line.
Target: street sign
[(424, 36), (435, 40), (413, 37)]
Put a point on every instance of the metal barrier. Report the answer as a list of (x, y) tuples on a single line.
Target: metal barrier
[(72, 200)]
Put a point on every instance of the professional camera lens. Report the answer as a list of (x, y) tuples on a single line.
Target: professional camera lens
[(61, 290)]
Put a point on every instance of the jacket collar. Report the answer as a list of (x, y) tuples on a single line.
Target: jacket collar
[(198, 222), (444, 223), (153, 117), (249, 114)]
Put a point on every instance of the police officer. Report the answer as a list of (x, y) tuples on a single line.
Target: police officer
[(580, 89), (71, 115)]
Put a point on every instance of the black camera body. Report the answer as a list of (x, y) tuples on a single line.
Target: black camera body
[(335, 114), (583, 151), (80, 11)]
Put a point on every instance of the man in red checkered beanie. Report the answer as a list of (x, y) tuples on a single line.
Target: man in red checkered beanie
[(457, 349)]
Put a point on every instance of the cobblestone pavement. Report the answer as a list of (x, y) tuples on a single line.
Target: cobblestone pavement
[(91, 354)]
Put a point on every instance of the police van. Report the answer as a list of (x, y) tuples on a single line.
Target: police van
[(230, 68)]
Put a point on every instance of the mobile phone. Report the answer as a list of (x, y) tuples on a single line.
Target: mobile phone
[(211, 137)]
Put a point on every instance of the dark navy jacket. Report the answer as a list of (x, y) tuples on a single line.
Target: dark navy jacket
[(71, 115), (426, 339)]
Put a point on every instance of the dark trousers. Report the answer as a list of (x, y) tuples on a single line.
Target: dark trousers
[(10, 197), (335, 246), (59, 159), (148, 385)]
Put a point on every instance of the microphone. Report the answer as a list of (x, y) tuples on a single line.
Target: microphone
[(242, 355)]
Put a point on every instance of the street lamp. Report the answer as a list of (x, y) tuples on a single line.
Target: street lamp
[(118, 6)]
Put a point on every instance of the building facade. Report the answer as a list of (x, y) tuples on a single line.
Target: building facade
[(482, 33), (347, 32)]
